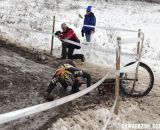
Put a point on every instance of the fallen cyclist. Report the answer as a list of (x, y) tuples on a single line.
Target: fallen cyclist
[(67, 74)]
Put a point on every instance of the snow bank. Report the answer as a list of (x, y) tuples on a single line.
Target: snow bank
[(87, 120)]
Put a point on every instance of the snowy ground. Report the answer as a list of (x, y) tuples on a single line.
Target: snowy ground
[(37, 15)]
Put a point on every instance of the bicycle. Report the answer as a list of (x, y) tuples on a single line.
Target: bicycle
[(134, 83)]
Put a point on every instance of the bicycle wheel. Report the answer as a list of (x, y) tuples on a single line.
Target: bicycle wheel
[(140, 86)]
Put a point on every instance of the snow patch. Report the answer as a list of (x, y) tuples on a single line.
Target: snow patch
[(86, 120)]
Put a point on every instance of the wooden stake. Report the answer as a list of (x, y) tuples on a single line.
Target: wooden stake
[(117, 76), (138, 44), (52, 42)]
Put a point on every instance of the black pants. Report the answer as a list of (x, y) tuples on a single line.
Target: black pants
[(68, 49)]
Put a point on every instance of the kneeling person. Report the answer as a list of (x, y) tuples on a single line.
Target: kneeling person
[(68, 48)]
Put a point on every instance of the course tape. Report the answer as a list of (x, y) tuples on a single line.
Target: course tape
[(131, 40), (110, 116), (45, 106), (84, 44), (129, 68), (99, 27), (126, 69)]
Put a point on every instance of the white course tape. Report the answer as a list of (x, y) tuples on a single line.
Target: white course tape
[(129, 68), (85, 45), (131, 40), (100, 27), (69, 41), (109, 118), (45, 106), (105, 50), (73, 42)]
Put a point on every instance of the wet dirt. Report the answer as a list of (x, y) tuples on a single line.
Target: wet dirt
[(24, 77)]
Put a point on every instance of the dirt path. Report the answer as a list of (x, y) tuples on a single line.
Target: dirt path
[(23, 83)]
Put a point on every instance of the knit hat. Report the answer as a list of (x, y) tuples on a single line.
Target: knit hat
[(89, 8)]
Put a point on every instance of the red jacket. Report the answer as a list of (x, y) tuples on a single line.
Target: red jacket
[(68, 34)]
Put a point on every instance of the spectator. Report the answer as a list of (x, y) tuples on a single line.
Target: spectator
[(68, 48), (89, 19)]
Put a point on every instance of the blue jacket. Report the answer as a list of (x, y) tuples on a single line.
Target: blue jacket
[(89, 20)]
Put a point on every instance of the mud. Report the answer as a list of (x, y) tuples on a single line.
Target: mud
[(24, 77)]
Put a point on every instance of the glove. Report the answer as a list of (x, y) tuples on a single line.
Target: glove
[(48, 97), (58, 33), (82, 34)]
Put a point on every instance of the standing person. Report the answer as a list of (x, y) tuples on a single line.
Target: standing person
[(68, 48), (67, 74), (89, 19)]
